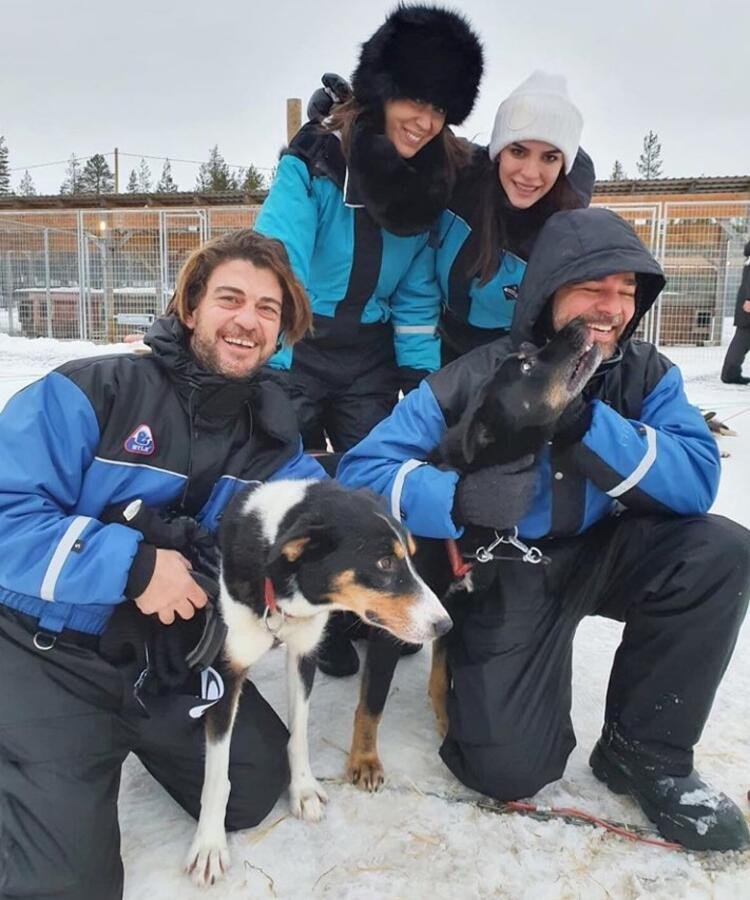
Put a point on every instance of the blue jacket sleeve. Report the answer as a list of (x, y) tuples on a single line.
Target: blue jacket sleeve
[(415, 310), (290, 214), (300, 466), (49, 438), (390, 461), (667, 460)]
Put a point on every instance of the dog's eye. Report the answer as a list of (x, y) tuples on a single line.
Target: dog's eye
[(385, 563), (526, 367)]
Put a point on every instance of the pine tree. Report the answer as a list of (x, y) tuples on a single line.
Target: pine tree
[(166, 184), (4, 167), (649, 162), (251, 180), (215, 175), (144, 177), (26, 186), (97, 177), (132, 185), (72, 183), (618, 172)]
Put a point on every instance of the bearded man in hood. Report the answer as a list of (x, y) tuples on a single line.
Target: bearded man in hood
[(617, 502)]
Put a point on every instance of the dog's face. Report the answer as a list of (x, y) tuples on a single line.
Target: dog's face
[(338, 548), (534, 386), (515, 412)]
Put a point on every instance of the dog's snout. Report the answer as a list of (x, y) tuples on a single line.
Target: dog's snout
[(442, 626)]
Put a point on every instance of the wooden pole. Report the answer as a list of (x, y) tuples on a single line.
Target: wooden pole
[(117, 171), (293, 117)]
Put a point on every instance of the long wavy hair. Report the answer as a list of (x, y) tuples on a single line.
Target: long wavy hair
[(503, 227), (261, 251), (344, 115)]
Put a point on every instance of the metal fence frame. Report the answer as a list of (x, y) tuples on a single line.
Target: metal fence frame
[(95, 274)]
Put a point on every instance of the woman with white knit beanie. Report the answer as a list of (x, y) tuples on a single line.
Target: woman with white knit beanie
[(533, 167)]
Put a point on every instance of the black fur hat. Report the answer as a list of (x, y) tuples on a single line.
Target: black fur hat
[(424, 53)]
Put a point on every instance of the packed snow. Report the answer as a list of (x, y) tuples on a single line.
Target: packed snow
[(424, 834)]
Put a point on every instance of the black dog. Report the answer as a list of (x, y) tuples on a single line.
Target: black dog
[(513, 416)]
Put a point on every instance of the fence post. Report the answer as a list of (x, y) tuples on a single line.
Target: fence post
[(47, 297), (11, 296)]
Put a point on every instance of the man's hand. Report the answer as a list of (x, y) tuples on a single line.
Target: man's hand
[(497, 496), (172, 590), (746, 305)]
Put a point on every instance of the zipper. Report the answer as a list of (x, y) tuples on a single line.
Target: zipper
[(191, 435)]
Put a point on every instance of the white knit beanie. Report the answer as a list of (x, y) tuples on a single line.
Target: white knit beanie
[(539, 109)]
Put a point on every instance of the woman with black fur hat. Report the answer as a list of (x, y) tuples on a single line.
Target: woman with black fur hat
[(532, 168), (353, 201)]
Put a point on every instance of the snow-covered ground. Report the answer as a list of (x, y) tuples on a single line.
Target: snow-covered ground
[(423, 834)]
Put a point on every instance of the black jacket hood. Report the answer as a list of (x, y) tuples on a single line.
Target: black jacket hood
[(580, 245)]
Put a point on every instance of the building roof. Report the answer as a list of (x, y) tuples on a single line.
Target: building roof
[(727, 184), (132, 201)]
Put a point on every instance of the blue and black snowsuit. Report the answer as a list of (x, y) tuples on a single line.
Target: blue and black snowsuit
[(621, 515), (474, 314), (93, 433), (374, 295)]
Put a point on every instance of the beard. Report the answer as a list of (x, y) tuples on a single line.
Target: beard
[(206, 352)]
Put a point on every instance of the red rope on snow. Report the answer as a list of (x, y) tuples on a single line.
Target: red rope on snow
[(572, 812)]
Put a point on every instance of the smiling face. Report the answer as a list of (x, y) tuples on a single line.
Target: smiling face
[(605, 306), (236, 323), (527, 171), (410, 125)]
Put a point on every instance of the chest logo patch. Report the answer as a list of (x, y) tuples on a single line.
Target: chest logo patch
[(510, 291), (140, 441)]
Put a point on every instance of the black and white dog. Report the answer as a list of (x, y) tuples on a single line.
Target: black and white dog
[(291, 553)]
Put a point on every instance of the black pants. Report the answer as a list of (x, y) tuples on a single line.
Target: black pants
[(342, 392), (67, 723), (736, 353), (681, 587)]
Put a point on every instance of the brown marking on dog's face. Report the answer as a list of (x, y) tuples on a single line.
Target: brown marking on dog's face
[(398, 550), (410, 543), (292, 550), (392, 611)]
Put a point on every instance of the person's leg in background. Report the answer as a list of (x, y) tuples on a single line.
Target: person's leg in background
[(731, 372)]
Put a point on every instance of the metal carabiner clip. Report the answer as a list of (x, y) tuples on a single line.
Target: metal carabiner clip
[(531, 555), (484, 554)]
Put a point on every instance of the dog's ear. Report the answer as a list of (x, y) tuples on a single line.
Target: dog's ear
[(308, 535)]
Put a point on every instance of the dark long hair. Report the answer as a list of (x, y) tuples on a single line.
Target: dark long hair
[(344, 115), (264, 253), (502, 227)]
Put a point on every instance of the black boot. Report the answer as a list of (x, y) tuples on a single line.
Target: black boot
[(739, 379), (336, 654), (684, 808)]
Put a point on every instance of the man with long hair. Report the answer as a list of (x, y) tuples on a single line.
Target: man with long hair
[(181, 429)]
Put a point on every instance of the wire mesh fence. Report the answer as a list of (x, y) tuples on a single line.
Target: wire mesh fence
[(98, 275)]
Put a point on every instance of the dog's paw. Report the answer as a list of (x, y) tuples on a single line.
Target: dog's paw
[(207, 861), (307, 800), (365, 771)]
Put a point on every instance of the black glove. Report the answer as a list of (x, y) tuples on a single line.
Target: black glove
[(497, 496), (335, 90), (409, 378), (574, 422)]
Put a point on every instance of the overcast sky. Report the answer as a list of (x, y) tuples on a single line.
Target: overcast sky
[(165, 78)]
